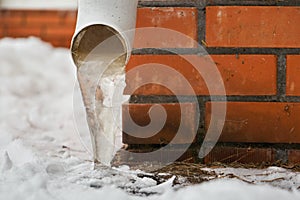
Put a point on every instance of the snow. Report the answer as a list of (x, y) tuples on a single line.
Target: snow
[(41, 155), (275, 176)]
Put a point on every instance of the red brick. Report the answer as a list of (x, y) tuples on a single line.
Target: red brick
[(242, 75), (178, 115), (10, 12), (23, 32), (62, 33), (1, 33), (11, 20), (58, 41), (59, 31), (52, 26), (252, 26), (292, 75), (240, 155), (182, 20), (69, 18), (294, 156), (259, 122), (35, 18)]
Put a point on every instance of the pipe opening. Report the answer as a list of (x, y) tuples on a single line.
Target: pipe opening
[(98, 42)]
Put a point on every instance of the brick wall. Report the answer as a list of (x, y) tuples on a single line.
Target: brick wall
[(56, 27), (256, 47)]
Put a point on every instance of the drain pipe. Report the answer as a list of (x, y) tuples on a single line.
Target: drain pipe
[(100, 48)]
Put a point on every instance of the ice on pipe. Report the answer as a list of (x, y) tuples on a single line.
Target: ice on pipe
[(102, 93), (108, 111), (100, 57)]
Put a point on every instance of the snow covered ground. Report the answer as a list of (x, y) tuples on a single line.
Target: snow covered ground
[(41, 156)]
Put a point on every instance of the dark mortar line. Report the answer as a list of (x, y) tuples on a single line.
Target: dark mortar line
[(201, 26), (216, 51), (281, 77), (243, 98), (185, 3), (253, 3), (292, 99), (275, 146), (165, 51), (165, 4), (203, 3), (271, 99), (201, 128), (140, 99), (233, 50), (158, 146)]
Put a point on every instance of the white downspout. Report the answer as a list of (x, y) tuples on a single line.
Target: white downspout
[(100, 49)]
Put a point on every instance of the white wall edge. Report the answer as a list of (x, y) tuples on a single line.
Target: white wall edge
[(39, 4)]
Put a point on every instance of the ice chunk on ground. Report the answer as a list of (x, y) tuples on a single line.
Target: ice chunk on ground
[(6, 163)]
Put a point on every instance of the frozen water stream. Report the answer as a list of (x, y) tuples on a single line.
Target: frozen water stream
[(103, 107), (100, 58)]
